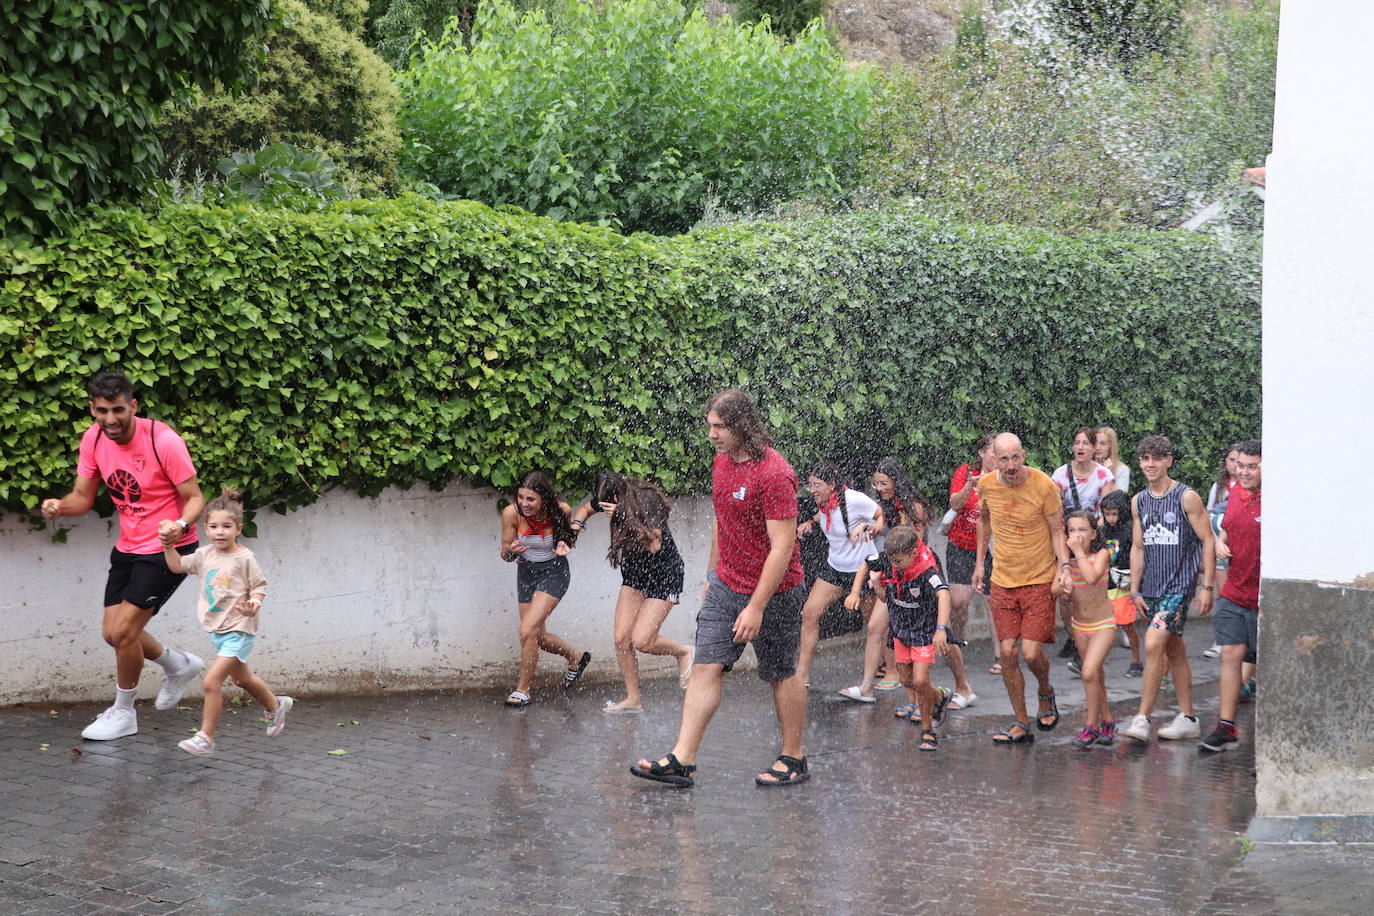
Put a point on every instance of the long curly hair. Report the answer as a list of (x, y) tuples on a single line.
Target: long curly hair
[(641, 510), (740, 415), (903, 491)]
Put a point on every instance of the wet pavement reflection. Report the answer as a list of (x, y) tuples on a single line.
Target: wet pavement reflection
[(449, 803)]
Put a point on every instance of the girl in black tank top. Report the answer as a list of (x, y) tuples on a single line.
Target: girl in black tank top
[(651, 572)]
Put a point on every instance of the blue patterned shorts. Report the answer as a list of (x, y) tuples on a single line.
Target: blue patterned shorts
[(1169, 612)]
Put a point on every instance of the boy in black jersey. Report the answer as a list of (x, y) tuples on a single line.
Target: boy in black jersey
[(918, 615)]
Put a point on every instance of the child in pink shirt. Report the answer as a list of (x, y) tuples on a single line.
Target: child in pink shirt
[(232, 587)]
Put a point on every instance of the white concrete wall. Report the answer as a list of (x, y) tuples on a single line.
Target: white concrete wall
[(401, 592), (1318, 296)]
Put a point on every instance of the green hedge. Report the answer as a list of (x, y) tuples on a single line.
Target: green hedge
[(396, 342)]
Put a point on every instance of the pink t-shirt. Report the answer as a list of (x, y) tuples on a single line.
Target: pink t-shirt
[(746, 496), (142, 482)]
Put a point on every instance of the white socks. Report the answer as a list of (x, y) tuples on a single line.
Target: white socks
[(124, 699), (171, 660)]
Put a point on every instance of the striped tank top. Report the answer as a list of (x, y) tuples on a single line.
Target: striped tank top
[(1173, 553), (539, 540)]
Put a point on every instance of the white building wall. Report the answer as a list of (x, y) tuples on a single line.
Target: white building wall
[(1318, 296)]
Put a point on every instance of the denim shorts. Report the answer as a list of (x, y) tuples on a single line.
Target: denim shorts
[(779, 639), (234, 644)]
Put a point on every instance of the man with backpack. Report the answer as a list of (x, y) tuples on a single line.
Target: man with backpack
[(147, 471)]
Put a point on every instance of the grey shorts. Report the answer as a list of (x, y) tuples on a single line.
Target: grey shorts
[(1233, 625), (778, 641)]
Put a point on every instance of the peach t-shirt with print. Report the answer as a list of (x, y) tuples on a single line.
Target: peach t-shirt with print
[(1023, 551), (224, 579)]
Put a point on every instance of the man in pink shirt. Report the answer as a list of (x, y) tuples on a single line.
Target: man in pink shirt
[(147, 471), (753, 592)]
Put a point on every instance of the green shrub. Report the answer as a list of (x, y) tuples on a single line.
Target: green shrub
[(1123, 31), (321, 89), (398, 342), (786, 17), (628, 114), (280, 176), (80, 83)]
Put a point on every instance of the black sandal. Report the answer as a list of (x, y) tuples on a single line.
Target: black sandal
[(938, 716), (929, 741), (671, 770), (795, 773), (572, 674), (1006, 737), (1054, 711)]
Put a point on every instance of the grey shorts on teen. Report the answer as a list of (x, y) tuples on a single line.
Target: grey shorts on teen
[(1233, 625), (779, 637)]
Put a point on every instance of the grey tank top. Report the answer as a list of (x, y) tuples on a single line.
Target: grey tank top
[(540, 546), (1173, 553)]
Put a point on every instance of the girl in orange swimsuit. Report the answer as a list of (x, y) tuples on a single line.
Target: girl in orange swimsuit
[(1094, 622)]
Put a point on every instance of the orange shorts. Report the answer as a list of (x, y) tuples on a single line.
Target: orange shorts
[(1124, 608), (905, 654), (1026, 612)]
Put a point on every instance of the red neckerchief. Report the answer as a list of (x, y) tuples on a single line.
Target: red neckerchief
[(923, 561), (898, 509), (831, 505), (538, 528)]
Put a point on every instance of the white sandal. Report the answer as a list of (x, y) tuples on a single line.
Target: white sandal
[(856, 693)]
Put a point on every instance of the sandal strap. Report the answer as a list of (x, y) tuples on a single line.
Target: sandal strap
[(868, 683)]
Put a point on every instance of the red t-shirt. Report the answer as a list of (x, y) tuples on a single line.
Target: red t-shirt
[(746, 496), (1242, 524), (963, 531), (140, 479)]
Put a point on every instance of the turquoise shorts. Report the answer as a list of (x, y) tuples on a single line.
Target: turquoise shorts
[(234, 644)]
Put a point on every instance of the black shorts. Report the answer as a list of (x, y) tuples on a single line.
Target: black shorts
[(959, 563), (142, 579), (828, 573), (552, 577), (656, 575)]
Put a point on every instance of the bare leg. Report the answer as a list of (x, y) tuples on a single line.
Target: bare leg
[(122, 629), (1094, 650), (958, 621), (1182, 672), (1156, 643), (875, 641), (645, 637), (822, 595), (1038, 664), (1012, 678), (789, 698), (698, 706), (533, 637), (1232, 658), (626, 606), (214, 693), (257, 688), (1133, 637)]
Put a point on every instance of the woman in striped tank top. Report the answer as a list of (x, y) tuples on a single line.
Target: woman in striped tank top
[(536, 535)]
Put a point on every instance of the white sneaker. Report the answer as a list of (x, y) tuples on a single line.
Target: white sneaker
[(115, 722), (198, 744), (1139, 729), (1214, 652), (1122, 639), (174, 685), (1182, 727), (277, 720)]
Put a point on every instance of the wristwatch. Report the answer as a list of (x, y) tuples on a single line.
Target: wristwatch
[(185, 525)]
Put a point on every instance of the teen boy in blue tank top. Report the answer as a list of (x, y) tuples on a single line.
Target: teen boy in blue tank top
[(1172, 543)]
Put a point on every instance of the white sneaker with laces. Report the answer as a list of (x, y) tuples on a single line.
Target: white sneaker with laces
[(115, 722), (1213, 652), (1139, 729), (1182, 727), (277, 718), (174, 685)]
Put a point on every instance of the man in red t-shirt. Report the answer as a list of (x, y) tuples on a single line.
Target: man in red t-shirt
[(753, 592), (148, 473), (1235, 622)]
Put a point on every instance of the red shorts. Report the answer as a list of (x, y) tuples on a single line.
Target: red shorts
[(905, 654), (1026, 612), (1124, 608)]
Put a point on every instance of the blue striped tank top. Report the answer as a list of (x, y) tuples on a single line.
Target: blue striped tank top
[(1173, 552)]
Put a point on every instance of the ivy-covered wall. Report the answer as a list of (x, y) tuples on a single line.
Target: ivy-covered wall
[(406, 341)]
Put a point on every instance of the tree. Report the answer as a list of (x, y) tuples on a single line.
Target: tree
[(1122, 30), (321, 89), (81, 82)]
